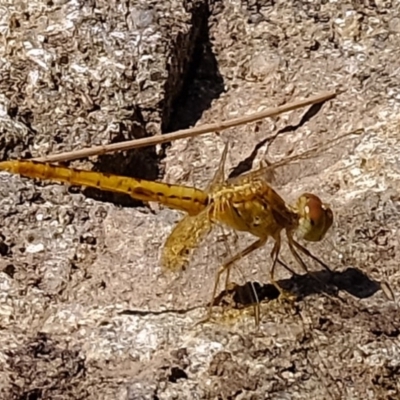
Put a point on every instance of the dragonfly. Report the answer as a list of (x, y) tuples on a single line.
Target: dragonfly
[(246, 203)]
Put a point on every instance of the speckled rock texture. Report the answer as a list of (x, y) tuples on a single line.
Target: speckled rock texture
[(86, 310)]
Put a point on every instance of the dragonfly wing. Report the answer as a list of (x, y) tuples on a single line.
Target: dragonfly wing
[(184, 238), (303, 164), (219, 176)]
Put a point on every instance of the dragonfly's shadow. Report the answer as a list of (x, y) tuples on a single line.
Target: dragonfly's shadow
[(352, 281)]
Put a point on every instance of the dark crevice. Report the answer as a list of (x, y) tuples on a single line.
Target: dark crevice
[(139, 163), (176, 374), (202, 81), (193, 83)]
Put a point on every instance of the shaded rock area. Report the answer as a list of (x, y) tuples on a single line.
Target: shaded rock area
[(86, 310)]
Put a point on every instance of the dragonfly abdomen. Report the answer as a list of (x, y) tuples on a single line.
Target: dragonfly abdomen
[(179, 197)]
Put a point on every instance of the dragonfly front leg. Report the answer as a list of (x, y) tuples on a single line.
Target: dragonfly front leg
[(309, 254), (283, 294), (286, 267), (292, 244)]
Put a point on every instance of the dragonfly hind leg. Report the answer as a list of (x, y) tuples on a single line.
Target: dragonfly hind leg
[(225, 268)]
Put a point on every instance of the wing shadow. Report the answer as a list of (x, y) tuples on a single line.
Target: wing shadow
[(247, 164)]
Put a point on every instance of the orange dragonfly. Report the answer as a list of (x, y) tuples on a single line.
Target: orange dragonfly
[(245, 203)]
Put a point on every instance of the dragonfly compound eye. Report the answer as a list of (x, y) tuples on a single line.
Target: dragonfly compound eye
[(315, 217)]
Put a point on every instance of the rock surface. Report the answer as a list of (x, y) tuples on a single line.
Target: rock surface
[(86, 309)]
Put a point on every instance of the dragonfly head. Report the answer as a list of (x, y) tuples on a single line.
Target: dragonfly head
[(315, 217)]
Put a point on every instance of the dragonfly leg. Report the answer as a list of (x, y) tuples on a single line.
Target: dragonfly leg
[(292, 244), (309, 254), (254, 246), (286, 267), (296, 255), (228, 272), (283, 294)]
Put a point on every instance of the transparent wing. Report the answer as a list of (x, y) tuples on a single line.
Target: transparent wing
[(184, 238), (192, 229), (306, 163), (219, 176)]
